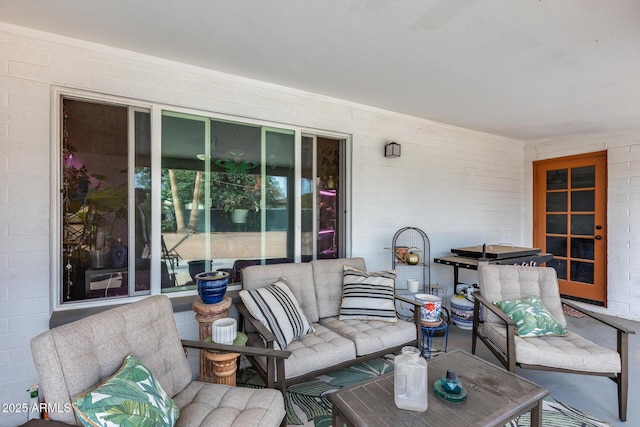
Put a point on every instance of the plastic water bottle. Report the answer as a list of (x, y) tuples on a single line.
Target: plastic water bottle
[(410, 381)]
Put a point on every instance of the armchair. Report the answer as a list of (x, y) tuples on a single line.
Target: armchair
[(76, 357), (571, 353)]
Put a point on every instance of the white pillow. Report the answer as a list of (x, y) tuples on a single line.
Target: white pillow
[(368, 296), (278, 310)]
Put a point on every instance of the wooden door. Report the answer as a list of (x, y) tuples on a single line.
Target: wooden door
[(569, 221)]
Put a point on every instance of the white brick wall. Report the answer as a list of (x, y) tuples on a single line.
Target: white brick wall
[(623, 234), (460, 186)]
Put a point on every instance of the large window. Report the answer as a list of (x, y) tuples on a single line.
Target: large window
[(220, 190)]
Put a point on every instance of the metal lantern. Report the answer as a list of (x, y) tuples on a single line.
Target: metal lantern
[(392, 150)]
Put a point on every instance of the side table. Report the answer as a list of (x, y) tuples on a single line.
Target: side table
[(205, 315), (225, 364), (429, 332)]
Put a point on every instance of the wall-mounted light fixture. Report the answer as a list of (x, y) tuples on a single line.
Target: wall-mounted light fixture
[(392, 150)]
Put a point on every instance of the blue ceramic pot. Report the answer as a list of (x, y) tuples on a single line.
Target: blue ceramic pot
[(212, 285)]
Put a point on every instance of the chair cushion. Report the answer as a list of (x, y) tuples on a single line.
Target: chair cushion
[(368, 296), (205, 404), (371, 336), (131, 396), (509, 282), (572, 352), (319, 350), (278, 310), (531, 316)]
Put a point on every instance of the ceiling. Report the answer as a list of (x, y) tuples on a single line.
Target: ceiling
[(528, 69)]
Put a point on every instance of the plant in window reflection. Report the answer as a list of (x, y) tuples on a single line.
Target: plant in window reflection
[(240, 191), (89, 198), (229, 191)]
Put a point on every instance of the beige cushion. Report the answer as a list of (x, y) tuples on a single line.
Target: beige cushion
[(204, 404), (569, 352), (319, 350), (508, 282), (371, 336), (327, 274)]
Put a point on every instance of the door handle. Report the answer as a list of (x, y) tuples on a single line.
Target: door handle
[(598, 237)]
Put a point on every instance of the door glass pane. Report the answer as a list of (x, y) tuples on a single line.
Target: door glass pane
[(306, 188), (583, 177), (582, 248), (582, 272), (557, 246), (328, 168), (557, 179), (583, 201), (556, 224), (582, 224), (560, 266), (557, 202)]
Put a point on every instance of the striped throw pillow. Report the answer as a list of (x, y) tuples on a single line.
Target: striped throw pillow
[(368, 296), (278, 310)]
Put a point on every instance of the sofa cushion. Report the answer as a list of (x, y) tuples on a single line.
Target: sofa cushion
[(371, 336), (205, 404), (299, 277), (368, 296), (319, 350), (278, 310), (327, 276), (131, 396)]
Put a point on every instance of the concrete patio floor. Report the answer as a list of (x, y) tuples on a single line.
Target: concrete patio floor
[(592, 394)]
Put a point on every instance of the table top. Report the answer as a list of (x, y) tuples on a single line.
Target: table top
[(496, 251), (495, 396), (472, 263)]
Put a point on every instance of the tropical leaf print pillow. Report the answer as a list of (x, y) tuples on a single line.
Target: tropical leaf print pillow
[(131, 397), (532, 317)]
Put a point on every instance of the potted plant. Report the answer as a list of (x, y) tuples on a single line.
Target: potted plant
[(239, 203)]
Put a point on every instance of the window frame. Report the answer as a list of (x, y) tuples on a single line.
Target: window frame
[(156, 110)]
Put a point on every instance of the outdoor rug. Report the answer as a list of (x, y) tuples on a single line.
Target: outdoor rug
[(569, 311), (308, 404)]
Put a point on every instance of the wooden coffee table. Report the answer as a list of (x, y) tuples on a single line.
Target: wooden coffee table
[(494, 397)]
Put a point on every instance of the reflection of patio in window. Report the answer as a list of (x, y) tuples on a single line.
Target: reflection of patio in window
[(225, 248)]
